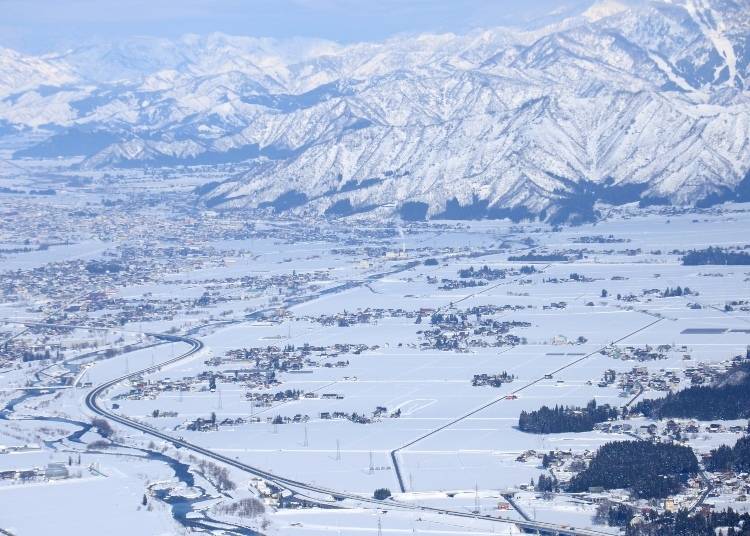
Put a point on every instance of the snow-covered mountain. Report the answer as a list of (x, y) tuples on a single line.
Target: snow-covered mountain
[(19, 72), (637, 101)]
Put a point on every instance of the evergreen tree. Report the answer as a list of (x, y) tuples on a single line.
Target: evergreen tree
[(727, 400), (649, 470), (561, 419)]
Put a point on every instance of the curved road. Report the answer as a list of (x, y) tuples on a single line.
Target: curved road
[(93, 403)]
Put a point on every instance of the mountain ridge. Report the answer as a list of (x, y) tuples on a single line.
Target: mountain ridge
[(650, 99)]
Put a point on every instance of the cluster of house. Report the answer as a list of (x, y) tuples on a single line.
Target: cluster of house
[(638, 379), (461, 341), (275, 497), (493, 380), (295, 419), (137, 260), (32, 447), (563, 464), (141, 389), (267, 399), (17, 350), (456, 316), (212, 424), (599, 239), (740, 305), (360, 418), (164, 414), (367, 315), (670, 430), (291, 358), (471, 328), (454, 284), (573, 277), (293, 281), (642, 353), (555, 305), (61, 282), (492, 274), (266, 361), (53, 471), (490, 327), (737, 486), (704, 374), (642, 378)]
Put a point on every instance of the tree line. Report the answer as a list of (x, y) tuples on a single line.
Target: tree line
[(715, 255), (682, 523), (648, 470), (727, 400), (562, 419), (726, 458)]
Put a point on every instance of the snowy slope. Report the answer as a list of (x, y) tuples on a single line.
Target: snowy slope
[(19, 72), (624, 102)]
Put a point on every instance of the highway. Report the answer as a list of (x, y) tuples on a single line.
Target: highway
[(93, 403)]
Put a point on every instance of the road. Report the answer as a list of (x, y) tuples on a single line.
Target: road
[(326, 497), (93, 403), (509, 396)]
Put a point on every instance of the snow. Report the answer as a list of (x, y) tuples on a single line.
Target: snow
[(702, 13), (431, 387), (603, 9), (617, 93)]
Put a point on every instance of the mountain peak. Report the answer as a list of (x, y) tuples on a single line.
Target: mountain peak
[(603, 9), (637, 101)]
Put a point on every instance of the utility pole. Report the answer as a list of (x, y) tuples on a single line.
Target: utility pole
[(476, 498), (338, 450), (372, 468), (306, 443), (380, 527)]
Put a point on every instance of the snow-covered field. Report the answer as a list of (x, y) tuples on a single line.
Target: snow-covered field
[(456, 445)]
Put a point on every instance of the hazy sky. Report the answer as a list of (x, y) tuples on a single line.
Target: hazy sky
[(41, 25)]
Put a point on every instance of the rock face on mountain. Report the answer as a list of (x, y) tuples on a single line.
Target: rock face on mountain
[(645, 103)]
